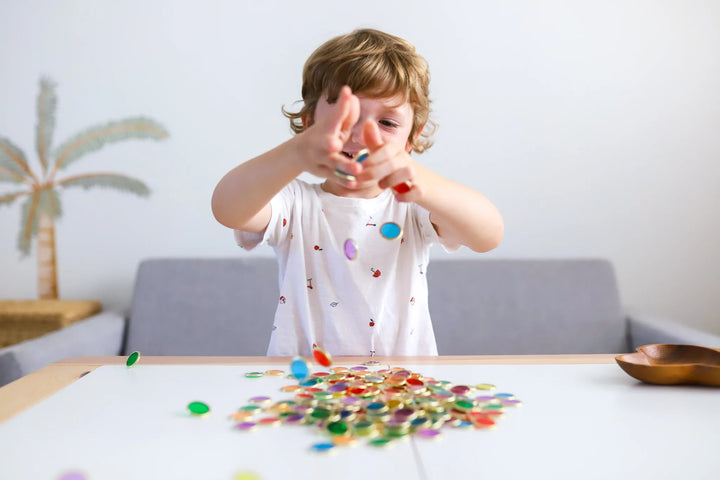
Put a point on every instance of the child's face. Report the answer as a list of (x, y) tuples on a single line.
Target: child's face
[(393, 116)]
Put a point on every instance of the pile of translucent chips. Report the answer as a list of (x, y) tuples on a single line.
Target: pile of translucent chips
[(379, 406)]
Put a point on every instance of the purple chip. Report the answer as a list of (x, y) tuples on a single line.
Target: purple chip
[(350, 249)]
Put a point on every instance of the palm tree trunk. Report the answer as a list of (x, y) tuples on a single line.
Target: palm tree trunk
[(47, 263)]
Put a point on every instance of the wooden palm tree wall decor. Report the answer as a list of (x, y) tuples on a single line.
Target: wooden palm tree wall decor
[(41, 189)]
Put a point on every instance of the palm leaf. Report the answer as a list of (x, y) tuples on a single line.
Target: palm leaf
[(9, 198), (96, 137), (46, 104), (106, 180), (10, 175), (13, 162), (42, 201)]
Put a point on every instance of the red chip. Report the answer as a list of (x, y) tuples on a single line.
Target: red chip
[(322, 357), (403, 187)]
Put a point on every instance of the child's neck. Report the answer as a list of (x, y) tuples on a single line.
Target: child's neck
[(340, 191)]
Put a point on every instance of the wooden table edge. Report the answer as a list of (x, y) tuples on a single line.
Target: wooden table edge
[(25, 392)]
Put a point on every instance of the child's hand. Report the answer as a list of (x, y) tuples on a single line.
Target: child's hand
[(322, 143), (388, 164)]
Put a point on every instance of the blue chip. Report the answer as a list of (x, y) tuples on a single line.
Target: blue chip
[(362, 155), (390, 230), (310, 382), (323, 447), (299, 368)]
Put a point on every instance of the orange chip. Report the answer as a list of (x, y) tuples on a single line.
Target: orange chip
[(322, 357)]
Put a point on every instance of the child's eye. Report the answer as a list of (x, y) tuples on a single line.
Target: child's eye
[(388, 123)]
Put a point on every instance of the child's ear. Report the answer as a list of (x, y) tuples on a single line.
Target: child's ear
[(408, 145)]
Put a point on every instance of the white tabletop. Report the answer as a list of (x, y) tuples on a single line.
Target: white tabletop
[(576, 422)]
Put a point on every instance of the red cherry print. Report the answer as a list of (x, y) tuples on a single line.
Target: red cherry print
[(284, 221), (412, 301), (283, 299), (317, 247), (372, 323), (376, 273)]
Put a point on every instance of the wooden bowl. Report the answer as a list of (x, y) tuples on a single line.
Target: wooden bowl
[(668, 364)]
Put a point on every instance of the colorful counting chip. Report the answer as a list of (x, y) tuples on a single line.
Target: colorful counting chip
[(322, 357), (351, 250), (362, 155), (299, 368), (378, 406), (132, 359), (390, 230), (403, 187), (198, 408), (345, 176)]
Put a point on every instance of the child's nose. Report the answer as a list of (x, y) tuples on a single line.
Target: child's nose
[(356, 134)]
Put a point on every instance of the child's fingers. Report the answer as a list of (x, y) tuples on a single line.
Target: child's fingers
[(371, 136), (344, 164), (402, 178), (337, 112), (351, 110)]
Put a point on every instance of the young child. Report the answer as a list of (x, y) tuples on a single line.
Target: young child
[(365, 89)]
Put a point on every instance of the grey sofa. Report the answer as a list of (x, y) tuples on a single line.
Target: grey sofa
[(226, 306)]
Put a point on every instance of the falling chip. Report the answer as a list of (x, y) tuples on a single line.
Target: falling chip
[(299, 368), (198, 408), (351, 250), (390, 230), (133, 359), (322, 357)]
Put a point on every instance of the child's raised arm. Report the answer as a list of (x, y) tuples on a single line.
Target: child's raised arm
[(461, 215), (241, 199)]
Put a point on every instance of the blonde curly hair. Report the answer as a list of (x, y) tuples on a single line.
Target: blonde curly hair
[(372, 63)]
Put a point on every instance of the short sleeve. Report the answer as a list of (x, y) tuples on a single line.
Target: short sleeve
[(430, 236), (281, 208)]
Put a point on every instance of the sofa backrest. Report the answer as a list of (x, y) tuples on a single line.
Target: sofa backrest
[(525, 306), (203, 306), (225, 306)]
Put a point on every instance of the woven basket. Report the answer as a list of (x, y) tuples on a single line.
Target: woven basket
[(22, 320)]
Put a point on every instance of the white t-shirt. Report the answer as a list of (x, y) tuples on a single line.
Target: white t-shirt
[(376, 303)]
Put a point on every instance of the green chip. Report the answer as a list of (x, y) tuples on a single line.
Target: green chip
[(464, 405), (320, 413), (380, 442), (254, 374), (250, 408), (132, 359), (338, 428), (198, 408)]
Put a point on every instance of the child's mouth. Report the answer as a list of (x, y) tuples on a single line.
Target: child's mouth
[(349, 155)]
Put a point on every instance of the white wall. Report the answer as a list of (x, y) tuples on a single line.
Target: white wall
[(593, 126)]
